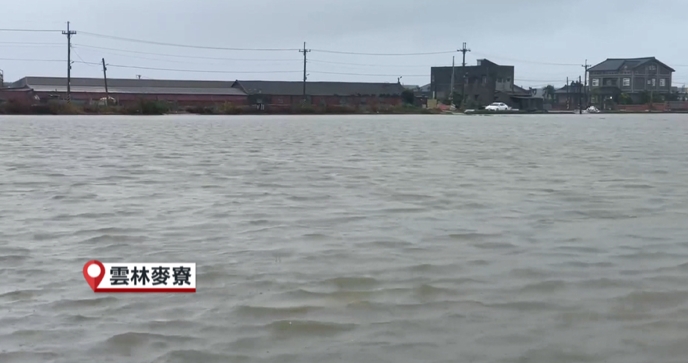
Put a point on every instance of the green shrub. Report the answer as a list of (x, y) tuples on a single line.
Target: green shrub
[(146, 108), (14, 107), (200, 110)]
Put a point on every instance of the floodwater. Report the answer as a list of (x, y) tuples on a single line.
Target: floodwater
[(348, 238)]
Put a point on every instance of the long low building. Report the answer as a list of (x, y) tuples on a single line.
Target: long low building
[(206, 93), (350, 94), (125, 91)]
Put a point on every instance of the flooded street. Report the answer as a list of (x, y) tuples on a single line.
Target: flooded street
[(324, 239)]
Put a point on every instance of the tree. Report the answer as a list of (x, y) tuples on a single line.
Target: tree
[(625, 99), (548, 92), (457, 99), (644, 97), (408, 97)]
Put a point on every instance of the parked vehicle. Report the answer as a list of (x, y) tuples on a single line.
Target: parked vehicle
[(498, 106), (591, 109)]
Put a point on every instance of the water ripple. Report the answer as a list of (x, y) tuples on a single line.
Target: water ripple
[(348, 238)]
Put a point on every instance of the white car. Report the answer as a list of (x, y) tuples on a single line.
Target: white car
[(498, 106)]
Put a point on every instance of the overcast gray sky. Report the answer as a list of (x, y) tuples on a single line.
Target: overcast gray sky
[(524, 33)]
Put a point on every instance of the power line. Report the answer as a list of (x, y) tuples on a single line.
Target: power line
[(31, 30), (367, 65), (527, 61), (253, 49), (139, 67), (34, 43), (31, 60), (538, 80), (28, 45), (90, 63), (371, 75), (310, 60), (193, 70), (94, 48), (82, 60), (185, 45), (139, 57), (382, 54)]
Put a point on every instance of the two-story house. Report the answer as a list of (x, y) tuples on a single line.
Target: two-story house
[(631, 76)]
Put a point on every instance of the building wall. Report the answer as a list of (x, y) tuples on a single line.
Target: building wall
[(352, 101), (568, 101), (660, 107), (678, 105), (637, 80), (349, 101), (24, 97), (126, 99), (482, 81)]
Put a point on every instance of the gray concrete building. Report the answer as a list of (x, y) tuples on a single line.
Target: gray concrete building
[(482, 81)]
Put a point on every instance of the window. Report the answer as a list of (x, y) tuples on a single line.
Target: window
[(652, 68), (626, 82), (649, 82), (654, 82), (596, 82), (662, 82), (508, 80)]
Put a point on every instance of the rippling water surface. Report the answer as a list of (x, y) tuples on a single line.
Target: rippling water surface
[(348, 239)]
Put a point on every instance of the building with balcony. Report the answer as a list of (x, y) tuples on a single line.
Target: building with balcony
[(635, 77)]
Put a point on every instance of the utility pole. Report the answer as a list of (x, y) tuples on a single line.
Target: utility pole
[(107, 94), (580, 96), (451, 92), (567, 93), (69, 34), (463, 70), (657, 84), (305, 76), (464, 50), (586, 66)]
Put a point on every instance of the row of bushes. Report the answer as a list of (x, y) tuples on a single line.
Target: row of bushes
[(63, 108), (230, 109), (161, 108)]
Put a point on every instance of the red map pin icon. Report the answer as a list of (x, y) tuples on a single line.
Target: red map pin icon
[(94, 271)]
